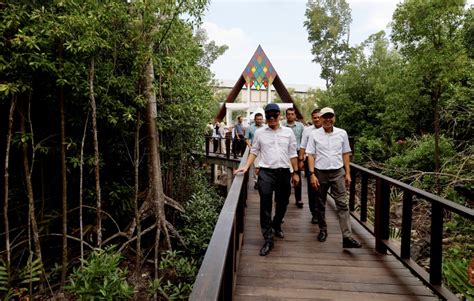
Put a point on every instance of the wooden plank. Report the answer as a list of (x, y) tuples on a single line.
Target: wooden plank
[(300, 267), (337, 286), (313, 294)]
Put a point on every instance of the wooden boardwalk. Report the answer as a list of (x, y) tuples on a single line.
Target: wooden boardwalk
[(299, 267)]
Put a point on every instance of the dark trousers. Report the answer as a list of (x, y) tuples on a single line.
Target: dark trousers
[(239, 146), (216, 144), (298, 189), (269, 181), (333, 179), (312, 193)]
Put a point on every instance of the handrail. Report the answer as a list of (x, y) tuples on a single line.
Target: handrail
[(218, 148), (215, 279), (381, 227)]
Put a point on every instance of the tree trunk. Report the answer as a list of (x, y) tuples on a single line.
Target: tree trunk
[(96, 153), (135, 199), (81, 178), (29, 188), (156, 189), (6, 182), (63, 178)]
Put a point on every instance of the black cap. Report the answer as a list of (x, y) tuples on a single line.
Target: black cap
[(272, 107)]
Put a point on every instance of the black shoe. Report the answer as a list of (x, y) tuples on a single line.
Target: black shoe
[(267, 247), (323, 234), (299, 204), (279, 233), (314, 220), (349, 242)]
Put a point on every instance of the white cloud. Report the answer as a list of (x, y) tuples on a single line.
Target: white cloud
[(233, 37)]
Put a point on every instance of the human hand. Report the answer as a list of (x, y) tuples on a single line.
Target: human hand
[(348, 179), (295, 179), (240, 170), (314, 181)]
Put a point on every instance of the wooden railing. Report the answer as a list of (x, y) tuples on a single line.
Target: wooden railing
[(216, 276), (221, 146), (381, 227)]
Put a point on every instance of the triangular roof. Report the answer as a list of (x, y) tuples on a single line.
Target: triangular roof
[(259, 73)]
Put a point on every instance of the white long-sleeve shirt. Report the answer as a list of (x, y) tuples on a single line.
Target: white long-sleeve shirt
[(276, 147)]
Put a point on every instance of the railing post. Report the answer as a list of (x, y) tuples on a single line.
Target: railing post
[(213, 173), (406, 225), (382, 215), (208, 141), (352, 191), (363, 198), (227, 147), (228, 280), (436, 248)]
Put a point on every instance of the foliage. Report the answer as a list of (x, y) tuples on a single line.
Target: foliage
[(100, 277), (179, 272), (418, 154), (3, 277), (184, 267), (371, 150), (454, 272), (170, 291), (202, 211), (328, 31), (18, 284)]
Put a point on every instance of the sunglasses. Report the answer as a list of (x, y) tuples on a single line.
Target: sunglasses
[(272, 115)]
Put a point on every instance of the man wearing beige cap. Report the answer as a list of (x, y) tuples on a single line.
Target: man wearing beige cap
[(329, 155)]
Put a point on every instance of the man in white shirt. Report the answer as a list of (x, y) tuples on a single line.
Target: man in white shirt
[(303, 164), (276, 146), (297, 128), (329, 155), (249, 135)]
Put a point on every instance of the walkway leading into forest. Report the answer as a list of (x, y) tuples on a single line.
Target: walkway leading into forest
[(299, 267)]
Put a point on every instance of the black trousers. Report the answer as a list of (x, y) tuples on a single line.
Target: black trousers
[(313, 194), (269, 181)]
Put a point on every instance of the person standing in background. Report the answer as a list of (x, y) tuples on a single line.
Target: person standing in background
[(303, 164), (297, 128)]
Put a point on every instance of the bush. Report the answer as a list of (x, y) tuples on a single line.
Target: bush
[(200, 217), (100, 278), (419, 154), (371, 149)]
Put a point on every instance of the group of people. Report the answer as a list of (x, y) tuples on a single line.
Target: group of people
[(233, 137), (282, 151)]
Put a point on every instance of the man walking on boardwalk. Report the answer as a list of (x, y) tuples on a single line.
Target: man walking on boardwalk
[(249, 135), (303, 164), (297, 128), (329, 155), (276, 146)]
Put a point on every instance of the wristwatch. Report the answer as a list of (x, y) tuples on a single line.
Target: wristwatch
[(311, 173)]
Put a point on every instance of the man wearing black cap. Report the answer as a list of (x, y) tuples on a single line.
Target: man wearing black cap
[(276, 146), (329, 155)]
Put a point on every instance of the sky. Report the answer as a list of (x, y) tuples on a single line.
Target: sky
[(277, 25)]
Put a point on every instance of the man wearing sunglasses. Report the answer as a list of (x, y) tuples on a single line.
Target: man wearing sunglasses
[(329, 156), (276, 146)]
